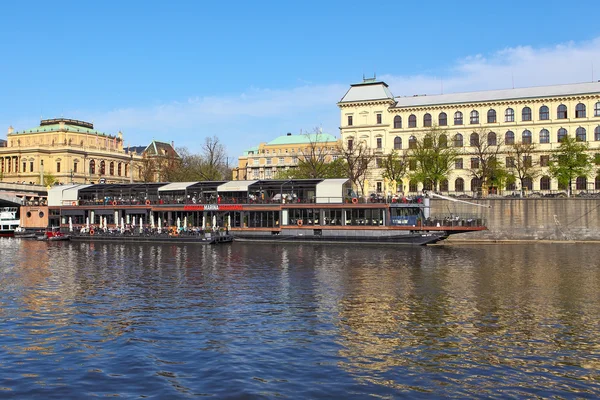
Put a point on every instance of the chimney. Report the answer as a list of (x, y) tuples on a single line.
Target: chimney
[(289, 134)]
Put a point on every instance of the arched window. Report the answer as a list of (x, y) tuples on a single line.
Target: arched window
[(597, 109), (412, 142), (545, 183), (509, 115), (562, 133), (412, 121), (119, 169), (459, 185), (597, 133), (474, 117), (491, 116), (597, 183), (458, 140), (528, 183), (526, 114), (428, 185), (413, 186), (544, 113), (444, 185), (443, 141), (102, 168), (580, 110), (111, 168), (397, 122), (580, 134), (491, 139), (92, 167), (443, 119), (544, 136), (126, 170), (509, 137), (397, 143), (475, 184), (561, 112), (474, 139), (427, 120), (581, 183), (526, 136), (458, 118)]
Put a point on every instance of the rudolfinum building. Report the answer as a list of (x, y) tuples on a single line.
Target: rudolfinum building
[(540, 115)]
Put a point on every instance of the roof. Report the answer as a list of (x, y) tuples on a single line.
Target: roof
[(235, 186), (502, 94), (302, 139), (58, 128), (175, 186), (367, 91), (157, 148), (253, 149)]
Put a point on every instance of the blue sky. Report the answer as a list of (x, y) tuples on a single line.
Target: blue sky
[(247, 72)]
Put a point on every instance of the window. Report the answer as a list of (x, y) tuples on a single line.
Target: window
[(397, 143), (528, 183), (427, 120), (475, 184), (491, 116), (458, 140), (443, 119), (581, 183), (597, 159), (509, 115), (544, 161), (397, 122), (458, 163), (30, 166), (544, 136), (58, 166), (119, 169), (561, 112), (349, 120), (597, 109), (443, 141), (597, 133), (102, 168), (509, 138), (379, 143), (526, 114), (112, 168), (295, 160), (255, 162), (458, 118), (562, 133), (527, 161), (412, 142), (544, 113), (580, 110), (92, 168), (459, 185), (444, 185), (269, 161), (378, 118), (526, 136), (281, 160), (510, 162), (412, 121), (474, 117), (545, 183), (474, 163), (413, 186), (491, 139), (580, 134), (412, 165), (350, 143), (24, 166), (474, 139)]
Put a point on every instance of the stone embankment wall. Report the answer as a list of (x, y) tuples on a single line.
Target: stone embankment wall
[(559, 219)]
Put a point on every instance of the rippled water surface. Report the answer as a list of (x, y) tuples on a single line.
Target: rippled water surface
[(298, 321)]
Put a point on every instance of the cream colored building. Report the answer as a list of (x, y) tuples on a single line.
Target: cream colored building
[(370, 113), (70, 150), (282, 153)]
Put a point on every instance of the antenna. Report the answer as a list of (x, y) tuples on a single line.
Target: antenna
[(592, 71), (513, 79)]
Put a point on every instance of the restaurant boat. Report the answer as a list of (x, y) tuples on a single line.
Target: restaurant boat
[(306, 210), (8, 221)]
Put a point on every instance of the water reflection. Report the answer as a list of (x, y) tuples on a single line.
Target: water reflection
[(298, 320)]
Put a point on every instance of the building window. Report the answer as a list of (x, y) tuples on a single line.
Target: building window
[(581, 183), (30, 166), (509, 115), (597, 109), (24, 166), (474, 117), (443, 141), (561, 112), (459, 185), (281, 160), (412, 165), (397, 122), (562, 133), (458, 118), (474, 163), (444, 185), (295, 160), (580, 134), (544, 136), (474, 139), (458, 163), (379, 143), (510, 162), (427, 120), (443, 119), (255, 162), (350, 144), (413, 186), (378, 118), (58, 166), (544, 161), (597, 133), (119, 169), (112, 168), (580, 110), (103, 168), (412, 121), (491, 139), (526, 114), (349, 120), (526, 136), (397, 143), (412, 142), (92, 168), (527, 161), (509, 138), (544, 113), (491, 116), (268, 161), (458, 140), (545, 183)]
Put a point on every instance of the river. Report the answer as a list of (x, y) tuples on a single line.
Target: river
[(298, 321)]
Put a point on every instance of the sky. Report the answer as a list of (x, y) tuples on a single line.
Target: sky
[(249, 71)]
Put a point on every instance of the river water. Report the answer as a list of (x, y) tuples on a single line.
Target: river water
[(298, 321)]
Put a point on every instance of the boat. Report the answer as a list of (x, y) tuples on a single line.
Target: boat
[(304, 210), (8, 221), (54, 235)]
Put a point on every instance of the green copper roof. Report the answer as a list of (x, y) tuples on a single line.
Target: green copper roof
[(56, 128), (253, 149), (303, 139)]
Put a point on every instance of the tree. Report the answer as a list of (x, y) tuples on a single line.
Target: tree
[(488, 169), (48, 179), (394, 166), (434, 158), (523, 165), (569, 161), (357, 158), (213, 164)]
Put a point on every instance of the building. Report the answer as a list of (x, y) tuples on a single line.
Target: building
[(282, 153), (540, 115), (157, 159)]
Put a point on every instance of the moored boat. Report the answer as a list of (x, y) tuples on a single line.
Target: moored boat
[(8, 221)]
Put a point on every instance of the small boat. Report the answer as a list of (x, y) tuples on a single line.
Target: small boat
[(54, 235), (8, 221)]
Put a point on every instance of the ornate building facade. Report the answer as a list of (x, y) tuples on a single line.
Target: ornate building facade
[(70, 151), (539, 115)]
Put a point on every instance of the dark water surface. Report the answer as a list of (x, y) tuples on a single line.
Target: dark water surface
[(298, 321)]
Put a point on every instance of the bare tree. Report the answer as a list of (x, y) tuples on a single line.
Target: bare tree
[(488, 169), (358, 157), (213, 165), (521, 156)]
